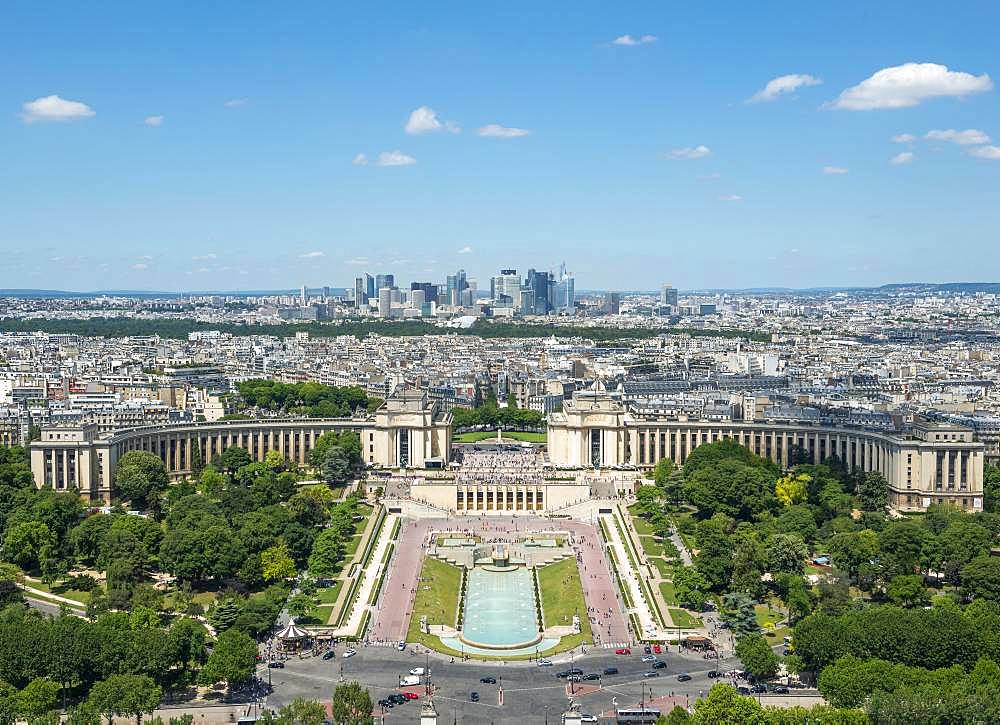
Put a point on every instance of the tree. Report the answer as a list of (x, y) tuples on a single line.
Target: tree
[(724, 706), (23, 542), (276, 563), (140, 477), (336, 466), (298, 712), (900, 545), (187, 638), (691, 588), (786, 553), (798, 519), (730, 487), (960, 543), (715, 554), (790, 489), (738, 612), (83, 714), (232, 661), (86, 537), (981, 578), (873, 491), (224, 614), (849, 550), (37, 698), (210, 482), (352, 705), (125, 695), (677, 716), (908, 590), (757, 656), (231, 460)]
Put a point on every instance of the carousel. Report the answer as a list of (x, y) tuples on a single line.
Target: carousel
[(292, 638)]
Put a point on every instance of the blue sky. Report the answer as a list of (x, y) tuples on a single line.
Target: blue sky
[(249, 180)]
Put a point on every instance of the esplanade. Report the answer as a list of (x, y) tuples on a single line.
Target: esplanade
[(596, 446)]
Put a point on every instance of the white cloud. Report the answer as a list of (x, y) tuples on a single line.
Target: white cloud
[(495, 130), (968, 137), (731, 197), (203, 257), (834, 170), (357, 261), (783, 85), (630, 40), (54, 108), (153, 120), (360, 160), (689, 152), (986, 152), (907, 85), (903, 158), (395, 158), (425, 120), (235, 102), (140, 266), (312, 255), (903, 138), (465, 250)]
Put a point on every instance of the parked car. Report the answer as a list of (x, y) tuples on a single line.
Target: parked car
[(410, 695), (623, 651), (591, 676), (611, 670), (349, 653), (398, 698), (329, 655), (648, 658), (544, 663), (474, 696), (488, 680), (683, 677), (659, 665), (651, 673)]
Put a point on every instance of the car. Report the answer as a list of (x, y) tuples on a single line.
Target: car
[(758, 689), (474, 696), (587, 717), (659, 665), (401, 646), (780, 690), (648, 649), (714, 674), (410, 695), (657, 649), (683, 677), (386, 704), (544, 663), (329, 655), (349, 653), (623, 651), (591, 676), (275, 665), (488, 680), (648, 658), (651, 673), (575, 671), (743, 690), (398, 698), (611, 670), (417, 671)]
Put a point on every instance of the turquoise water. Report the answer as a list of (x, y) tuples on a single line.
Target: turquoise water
[(541, 542), (459, 646), (458, 542), (500, 608)]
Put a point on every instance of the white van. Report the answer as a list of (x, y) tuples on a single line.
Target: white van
[(409, 681)]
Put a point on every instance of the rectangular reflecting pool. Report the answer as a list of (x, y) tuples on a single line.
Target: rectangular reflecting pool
[(500, 609)]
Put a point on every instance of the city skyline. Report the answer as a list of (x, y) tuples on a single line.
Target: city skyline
[(256, 151)]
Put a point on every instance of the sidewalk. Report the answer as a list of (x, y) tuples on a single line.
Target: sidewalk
[(369, 580)]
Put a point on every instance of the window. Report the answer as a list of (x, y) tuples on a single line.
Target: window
[(595, 447)]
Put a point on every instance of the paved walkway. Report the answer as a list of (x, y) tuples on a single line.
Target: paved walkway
[(369, 577), (393, 617)]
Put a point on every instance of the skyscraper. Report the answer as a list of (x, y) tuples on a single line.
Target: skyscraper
[(540, 283), (505, 288), (564, 291), (455, 284), (362, 285), (384, 301), (302, 296), (668, 296)]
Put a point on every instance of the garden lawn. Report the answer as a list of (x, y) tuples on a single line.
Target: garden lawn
[(667, 590), (562, 595), (437, 598), (642, 527), (684, 620), (328, 595), (482, 435), (651, 546), (664, 567), (60, 589), (351, 546)]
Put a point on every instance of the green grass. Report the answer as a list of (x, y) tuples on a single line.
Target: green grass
[(437, 598), (562, 594), (642, 527), (650, 546), (664, 567), (667, 590), (59, 589), (684, 620), (328, 595), (482, 435), (351, 547)]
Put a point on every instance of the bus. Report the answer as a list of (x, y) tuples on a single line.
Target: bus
[(638, 716)]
